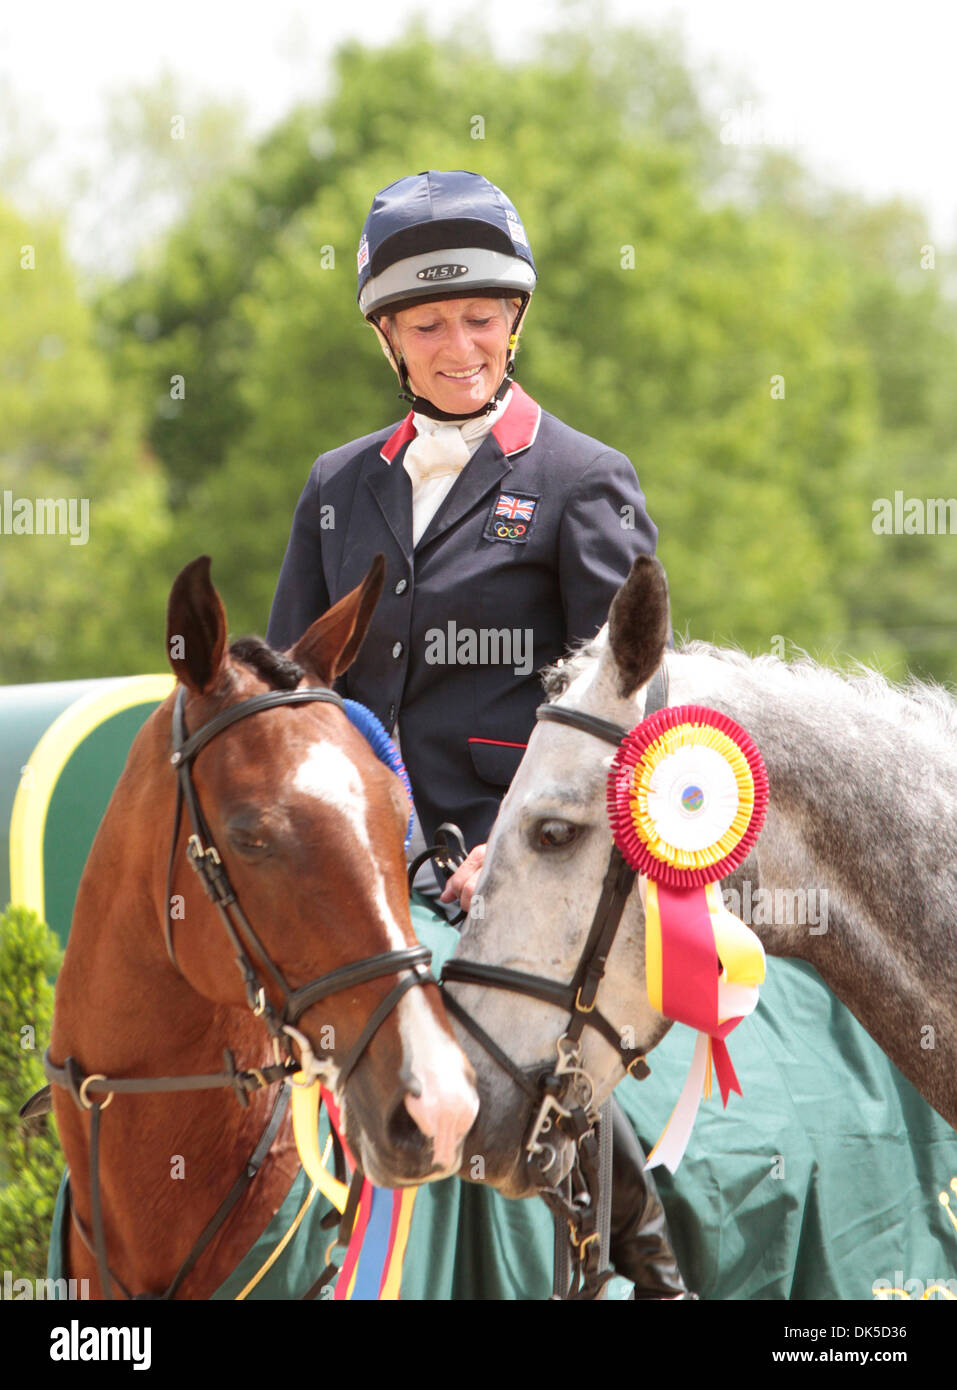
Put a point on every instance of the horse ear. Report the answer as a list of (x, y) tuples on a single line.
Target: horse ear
[(196, 628), (332, 643), (639, 624)]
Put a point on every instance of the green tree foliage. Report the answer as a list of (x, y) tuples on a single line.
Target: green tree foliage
[(93, 607), (772, 361), (177, 319), (30, 1160)]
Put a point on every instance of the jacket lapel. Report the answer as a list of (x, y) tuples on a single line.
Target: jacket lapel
[(391, 488), (513, 433)]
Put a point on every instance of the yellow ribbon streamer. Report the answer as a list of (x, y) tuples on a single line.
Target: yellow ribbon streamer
[(739, 949), (305, 1128)]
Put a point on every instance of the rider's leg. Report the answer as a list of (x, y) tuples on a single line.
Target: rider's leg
[(640, 1242)]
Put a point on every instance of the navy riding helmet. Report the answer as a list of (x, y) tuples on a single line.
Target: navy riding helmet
[(443, 235)]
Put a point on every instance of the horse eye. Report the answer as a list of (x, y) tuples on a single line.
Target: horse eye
[(248, 843), (554, 834)]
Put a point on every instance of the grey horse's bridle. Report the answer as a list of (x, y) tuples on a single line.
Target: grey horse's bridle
[(563, 1092)]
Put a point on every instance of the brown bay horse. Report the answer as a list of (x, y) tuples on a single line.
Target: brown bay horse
[(308, 825)]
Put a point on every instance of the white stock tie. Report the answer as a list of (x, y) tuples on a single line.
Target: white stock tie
[(437, 456)]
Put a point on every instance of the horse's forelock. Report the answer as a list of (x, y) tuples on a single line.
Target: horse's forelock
[(279, 671), (557, 678)]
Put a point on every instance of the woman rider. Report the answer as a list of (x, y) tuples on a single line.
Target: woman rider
[(506, 536)]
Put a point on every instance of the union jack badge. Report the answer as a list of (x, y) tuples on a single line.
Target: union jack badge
[(511, 518)]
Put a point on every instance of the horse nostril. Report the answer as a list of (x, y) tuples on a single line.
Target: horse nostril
[(402, 1130)]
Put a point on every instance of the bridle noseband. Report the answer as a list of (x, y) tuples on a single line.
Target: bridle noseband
[(563, 1092)]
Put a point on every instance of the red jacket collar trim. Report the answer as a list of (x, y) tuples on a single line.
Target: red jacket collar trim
[(397, 438), (517, 428), (515, 431)]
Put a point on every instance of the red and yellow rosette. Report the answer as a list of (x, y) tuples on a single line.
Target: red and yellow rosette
[(687, 797)]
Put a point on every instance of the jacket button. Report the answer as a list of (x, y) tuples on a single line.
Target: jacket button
[(397, 650), (401, 587)]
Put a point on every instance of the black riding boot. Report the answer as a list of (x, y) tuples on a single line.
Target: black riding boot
[(640, 1242)]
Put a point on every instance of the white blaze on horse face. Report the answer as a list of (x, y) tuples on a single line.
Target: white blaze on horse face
[(447, 1103), (328, 774)]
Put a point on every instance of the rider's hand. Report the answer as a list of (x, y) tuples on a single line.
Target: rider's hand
[(462, 883)]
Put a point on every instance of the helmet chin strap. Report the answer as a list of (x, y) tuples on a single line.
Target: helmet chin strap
[(423, 406)]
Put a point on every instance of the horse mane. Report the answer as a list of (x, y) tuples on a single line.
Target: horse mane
[(279, 671), (911, 701), (556, 679)]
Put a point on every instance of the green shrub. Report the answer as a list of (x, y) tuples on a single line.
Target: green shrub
[(30, 1159)]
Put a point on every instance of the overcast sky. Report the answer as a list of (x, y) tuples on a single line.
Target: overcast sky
[(865, 93)]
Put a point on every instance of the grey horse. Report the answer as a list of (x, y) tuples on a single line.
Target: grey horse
[(855, 871)]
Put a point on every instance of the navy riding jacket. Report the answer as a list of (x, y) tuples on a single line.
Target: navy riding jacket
[(521, 561)]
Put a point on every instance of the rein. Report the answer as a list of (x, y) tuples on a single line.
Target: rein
[(207, 862), (564, 1093)]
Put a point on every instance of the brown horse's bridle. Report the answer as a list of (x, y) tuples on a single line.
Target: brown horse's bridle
[(206, 860)]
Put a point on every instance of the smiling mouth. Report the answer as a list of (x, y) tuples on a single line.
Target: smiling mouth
[(466, 375)]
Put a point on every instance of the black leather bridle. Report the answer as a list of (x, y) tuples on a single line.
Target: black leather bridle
[(206, 860), (563, 1093)]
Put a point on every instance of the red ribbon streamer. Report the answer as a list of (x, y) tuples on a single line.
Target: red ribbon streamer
[(689, 974)]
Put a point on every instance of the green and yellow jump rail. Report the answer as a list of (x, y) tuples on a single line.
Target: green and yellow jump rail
[(63, 746)]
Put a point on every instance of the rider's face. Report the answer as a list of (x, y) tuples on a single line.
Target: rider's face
[(455, 349)]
